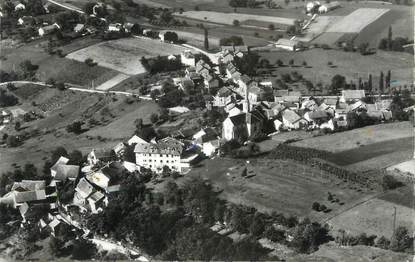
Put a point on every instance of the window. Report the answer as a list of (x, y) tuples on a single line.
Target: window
[(161, 161)]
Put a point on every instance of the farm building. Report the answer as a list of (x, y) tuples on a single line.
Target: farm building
[(188, 58), (328, 7), (287, 44), (46, 30)]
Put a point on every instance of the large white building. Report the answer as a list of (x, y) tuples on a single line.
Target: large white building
[(166, 152)]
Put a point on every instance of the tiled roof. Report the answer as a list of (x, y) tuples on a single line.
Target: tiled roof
[(162, 147), (290, 116)]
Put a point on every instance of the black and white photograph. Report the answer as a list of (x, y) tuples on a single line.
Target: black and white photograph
[(207, 130)]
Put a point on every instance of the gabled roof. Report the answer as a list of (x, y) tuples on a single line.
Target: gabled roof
[(167, 146), (29, 185), (29, 196), (136, 140), (238, 119), (281, 92), (353, 94), (84, 188), (331, 101), (64, 172), (254, 117), (224, 92), (291, 98), (318, 114), (205, 135), (61, 161), (290, 116)]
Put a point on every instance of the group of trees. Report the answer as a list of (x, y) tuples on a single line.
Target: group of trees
[(243, 3), (396, 44), (401, 241), (175, 225), (161, 64), (231, 41), (7, 98)]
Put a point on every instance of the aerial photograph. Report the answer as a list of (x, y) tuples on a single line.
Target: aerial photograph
[(207, 130)]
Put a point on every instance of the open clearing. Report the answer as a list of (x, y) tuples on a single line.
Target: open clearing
[(376, 216), (60, 69), (279, 185), (124, 55), (358, 137), (113, 115), (228, 18), (351, 65), (357, 20)]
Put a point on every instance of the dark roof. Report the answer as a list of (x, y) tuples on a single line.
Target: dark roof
[(318, 114), (290, 116), (169, 146), (280, 93), (238, 119), (64, 172)]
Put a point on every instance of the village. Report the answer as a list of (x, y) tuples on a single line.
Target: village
[(278, 129)]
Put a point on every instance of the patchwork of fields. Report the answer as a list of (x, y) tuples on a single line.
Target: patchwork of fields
[(124, 55), (228, 18)]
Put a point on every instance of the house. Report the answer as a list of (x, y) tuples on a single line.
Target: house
[(203, 68), (349, 96), (19, 7), (257, 94), (287, 96), (79, 28), (99, 156), (278, 125), (232, 72), (288, 44), (49, 29), (186, 84), (115, 27), (188, 58), (64, 172), (273, 110), (357, 107), (226, 56), (324, 8), (26, 20), (316, 118), (331, 102), (208, 140), (155, 155), (292, 120), (309, 104), (223, 97), (119, 149), (211, 82)]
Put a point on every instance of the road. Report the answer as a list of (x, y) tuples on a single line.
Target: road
[(67, 6), (79, 89)]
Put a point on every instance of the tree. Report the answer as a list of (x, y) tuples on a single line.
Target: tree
[(363, 48), (75, 127), (390, 182), (17, 126), (8, 7), (171, 37), (291, 62), (56, 246), (57, 153), (388, 79), (251, 3), (271, 27), (257, 226), (154, 118), (280, 62), (76, 158), (383, 243), (370, 84), (390, 38), (338, 82), (28, 69), (401, 240), (316, 206), (236, 22), (7, 99), (381, 83), (383, 44), (233, 40), (304, 63), (206, 42), (83, 249), (12, 141)]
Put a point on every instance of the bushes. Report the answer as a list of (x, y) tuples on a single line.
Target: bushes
[(75, 127), (233, 40), (90, 62), (160, 64), (389, 182), (7, 99)]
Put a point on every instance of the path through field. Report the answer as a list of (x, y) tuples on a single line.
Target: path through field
[(112, 82)]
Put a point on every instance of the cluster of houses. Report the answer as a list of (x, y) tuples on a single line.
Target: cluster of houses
[(8, 115)]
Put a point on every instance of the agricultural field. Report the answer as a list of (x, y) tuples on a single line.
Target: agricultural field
[(53, 66), (359, 137), (351, 65), (228, 18), (113, 116), (365, 23), (123, 55), (356, 21), (376, 215), (278, 185)]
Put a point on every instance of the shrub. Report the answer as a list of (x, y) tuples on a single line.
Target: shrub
[(316, 206), (390, 182), (75, 127)]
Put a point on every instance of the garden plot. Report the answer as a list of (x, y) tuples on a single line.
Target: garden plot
[(124, 55), (357, 20), (228, 18)]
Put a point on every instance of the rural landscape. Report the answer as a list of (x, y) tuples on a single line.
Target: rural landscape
[(273, 130)]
